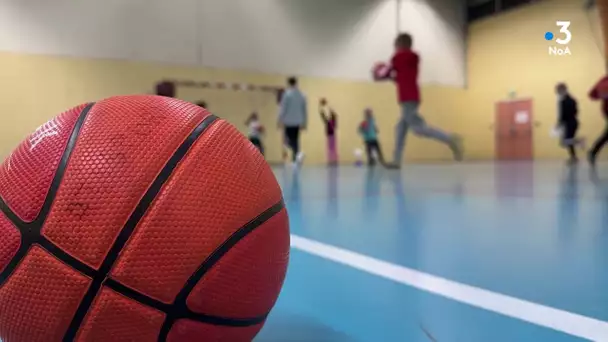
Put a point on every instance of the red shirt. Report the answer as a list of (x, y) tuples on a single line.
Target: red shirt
[(600, 92), (405, 71)]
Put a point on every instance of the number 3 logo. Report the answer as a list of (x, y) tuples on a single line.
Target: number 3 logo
[(564, 25)]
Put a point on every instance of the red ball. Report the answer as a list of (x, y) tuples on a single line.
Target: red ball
[(139, 218), (380, 71)]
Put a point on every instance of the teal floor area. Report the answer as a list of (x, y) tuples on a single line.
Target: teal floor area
[(533, 232)]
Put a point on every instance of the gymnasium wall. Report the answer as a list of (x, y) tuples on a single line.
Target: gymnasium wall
[(335, 39), (57, 54), (47, 68), (34, 88), (508, 53)]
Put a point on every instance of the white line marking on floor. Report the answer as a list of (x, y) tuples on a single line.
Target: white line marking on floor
[(560, 320)]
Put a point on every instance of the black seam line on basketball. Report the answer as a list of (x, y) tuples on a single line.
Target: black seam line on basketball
[(179, 309), (30, 231), (126, 231), (166, 308), (66, 258)]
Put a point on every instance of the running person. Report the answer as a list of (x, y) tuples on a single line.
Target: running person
[(293, 118), (599, 92), (568, 121), (404, 71)]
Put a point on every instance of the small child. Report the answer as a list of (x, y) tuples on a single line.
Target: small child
[(369, 132), (330, 130), (256, 130), (568, 122), (165, 88)]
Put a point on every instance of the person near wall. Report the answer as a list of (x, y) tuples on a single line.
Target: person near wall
[(403, 71), (293, 118), (256, 130), (568, 122), (165, 88), (599, 92), (330, 119), (369, 131)]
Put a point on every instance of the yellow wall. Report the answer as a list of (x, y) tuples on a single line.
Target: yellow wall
[(35, 88), (505, 53), (508, 53)]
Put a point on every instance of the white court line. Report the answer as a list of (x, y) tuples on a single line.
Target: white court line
[(560, 320)]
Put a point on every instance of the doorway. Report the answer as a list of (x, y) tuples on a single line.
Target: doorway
[(514, 130)]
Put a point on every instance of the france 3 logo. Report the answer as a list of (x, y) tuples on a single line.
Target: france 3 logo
[(562, 48)]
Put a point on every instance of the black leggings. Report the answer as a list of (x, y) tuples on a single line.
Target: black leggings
[(257, 142), (569, 136), (292, 135), (599, 143), (370, 147)]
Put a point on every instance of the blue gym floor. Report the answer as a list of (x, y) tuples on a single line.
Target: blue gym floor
[(471, 252)]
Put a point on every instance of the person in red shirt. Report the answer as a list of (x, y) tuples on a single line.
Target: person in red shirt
[(597, 93), (404, 72)]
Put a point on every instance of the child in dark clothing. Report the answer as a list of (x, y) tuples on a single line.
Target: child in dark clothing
[(330, 130), (165, 88), (255, 131), (568, 122), (369, 132)]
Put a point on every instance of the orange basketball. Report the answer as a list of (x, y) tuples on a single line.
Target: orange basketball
[(138, 218)]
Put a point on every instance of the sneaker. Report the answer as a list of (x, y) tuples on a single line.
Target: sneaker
[(572, 161), (393, 166), (300, 158), (591, 159)]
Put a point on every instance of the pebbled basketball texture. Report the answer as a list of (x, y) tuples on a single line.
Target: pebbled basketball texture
[(139, 218)]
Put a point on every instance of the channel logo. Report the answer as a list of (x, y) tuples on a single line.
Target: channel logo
[(562, 38)]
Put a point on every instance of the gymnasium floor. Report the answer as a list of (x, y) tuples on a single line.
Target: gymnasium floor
[(472, 252)]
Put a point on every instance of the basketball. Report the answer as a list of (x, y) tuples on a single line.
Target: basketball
[(380, 71), (139, 218)]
